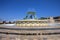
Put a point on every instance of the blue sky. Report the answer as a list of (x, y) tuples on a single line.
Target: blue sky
[(17, 9)]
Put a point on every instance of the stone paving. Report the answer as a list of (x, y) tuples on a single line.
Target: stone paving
[(8, 34)]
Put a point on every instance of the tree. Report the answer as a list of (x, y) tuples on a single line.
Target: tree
[(42, 18), (9, 22), (4, 22)]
